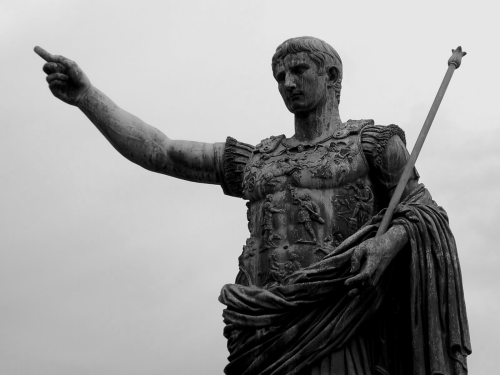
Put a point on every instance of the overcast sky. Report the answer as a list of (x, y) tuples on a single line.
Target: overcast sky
[(108, 269)]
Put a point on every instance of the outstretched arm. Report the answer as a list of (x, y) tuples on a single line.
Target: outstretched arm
[(139, 142)]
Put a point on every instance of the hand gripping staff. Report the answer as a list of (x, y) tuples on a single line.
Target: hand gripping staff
[(453, 63)]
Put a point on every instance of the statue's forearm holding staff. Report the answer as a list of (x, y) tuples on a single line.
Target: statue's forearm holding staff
[(139, 142)]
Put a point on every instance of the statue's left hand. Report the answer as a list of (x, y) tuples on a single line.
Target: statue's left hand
[(371, 258)]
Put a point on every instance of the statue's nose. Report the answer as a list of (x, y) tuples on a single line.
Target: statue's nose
[(290, 82)]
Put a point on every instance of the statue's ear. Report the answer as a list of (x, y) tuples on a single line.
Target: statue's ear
[(333, 75)]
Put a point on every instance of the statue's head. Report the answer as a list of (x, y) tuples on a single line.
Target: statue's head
[(291, 66)]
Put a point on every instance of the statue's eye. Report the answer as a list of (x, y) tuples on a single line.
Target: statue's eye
[(300, 69), (280, 77)]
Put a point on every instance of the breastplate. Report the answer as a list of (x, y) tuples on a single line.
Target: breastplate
[(304, 200)]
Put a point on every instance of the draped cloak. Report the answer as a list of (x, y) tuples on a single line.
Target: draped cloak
[(419, 302)]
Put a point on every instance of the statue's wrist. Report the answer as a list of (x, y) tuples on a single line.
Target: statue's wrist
[(398, 237), (83, 98)]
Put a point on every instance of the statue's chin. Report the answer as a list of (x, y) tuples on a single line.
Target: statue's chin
[(298, 109), (302, 107)]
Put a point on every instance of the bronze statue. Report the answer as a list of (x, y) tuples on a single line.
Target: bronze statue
[(317, 292)]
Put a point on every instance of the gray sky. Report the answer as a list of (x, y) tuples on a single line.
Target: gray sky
[(106, 268)]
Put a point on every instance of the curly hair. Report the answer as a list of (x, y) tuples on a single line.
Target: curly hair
[(323, 54)]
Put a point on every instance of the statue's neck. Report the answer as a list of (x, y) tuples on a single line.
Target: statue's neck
[(315, 125)]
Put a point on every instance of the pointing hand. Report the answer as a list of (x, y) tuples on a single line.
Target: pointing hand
[(67, 81)]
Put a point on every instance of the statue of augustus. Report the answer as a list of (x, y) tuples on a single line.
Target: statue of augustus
[(316, 292)]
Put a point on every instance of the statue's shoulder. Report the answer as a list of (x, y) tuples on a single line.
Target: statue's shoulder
[(384, 145), (232, 163), (235, 148), (380, 134), (352, 127), (269, 144)]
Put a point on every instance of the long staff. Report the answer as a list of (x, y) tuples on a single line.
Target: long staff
[(453, 63)]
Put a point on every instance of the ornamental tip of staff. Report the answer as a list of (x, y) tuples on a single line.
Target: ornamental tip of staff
[(456, 57)]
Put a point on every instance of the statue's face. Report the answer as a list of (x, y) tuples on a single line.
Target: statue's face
[(300, 86)]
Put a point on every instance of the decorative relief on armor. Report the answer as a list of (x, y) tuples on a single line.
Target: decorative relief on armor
[(323, 168), (342, 151), (279, 270), (308, 211), (244, 262), (338, 152), (324, 159), (250, 247), (300, 160), (293, 264), (335, 237), (270, 179), (358, 208), (290, 166), (261, 161), (331, 157), (352, 126), (276, 271), (268, 235), (269, 144), (271, 172), (249, 181), (296, 178)]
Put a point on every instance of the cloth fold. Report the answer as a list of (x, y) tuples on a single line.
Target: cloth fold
[(287, 328)]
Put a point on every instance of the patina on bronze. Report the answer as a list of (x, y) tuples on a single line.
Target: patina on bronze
[(317, 291)]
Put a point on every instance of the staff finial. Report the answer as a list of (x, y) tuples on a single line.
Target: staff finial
[(456, 58)]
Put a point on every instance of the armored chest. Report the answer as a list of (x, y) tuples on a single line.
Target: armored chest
[(304, 199)]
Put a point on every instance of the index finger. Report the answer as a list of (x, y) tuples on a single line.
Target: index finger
[(52, 58), (45, 55)]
